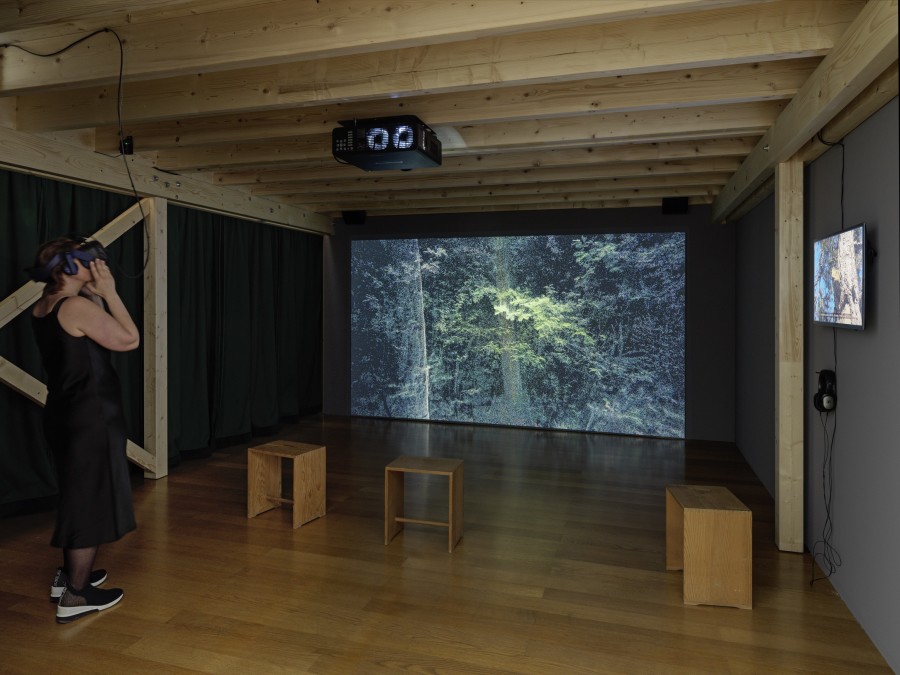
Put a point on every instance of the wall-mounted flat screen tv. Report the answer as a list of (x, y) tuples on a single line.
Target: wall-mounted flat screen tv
[(839, 279)]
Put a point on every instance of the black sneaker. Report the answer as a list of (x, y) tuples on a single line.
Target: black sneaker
[(61, 579), (76, 604)]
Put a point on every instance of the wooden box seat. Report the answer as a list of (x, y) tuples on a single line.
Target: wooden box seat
[(264, 479), (394, 495), (709, 534)]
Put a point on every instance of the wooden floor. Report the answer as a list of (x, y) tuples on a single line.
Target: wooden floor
[(561, 569)]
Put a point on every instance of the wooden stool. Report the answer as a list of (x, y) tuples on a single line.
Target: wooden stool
[(393, 495), (264, 479), (709, 534)]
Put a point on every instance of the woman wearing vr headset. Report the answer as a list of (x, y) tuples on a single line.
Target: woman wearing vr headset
[(83, 418)]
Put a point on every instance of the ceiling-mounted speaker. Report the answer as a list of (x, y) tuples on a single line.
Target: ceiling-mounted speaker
[(354, 217), (675, 205)]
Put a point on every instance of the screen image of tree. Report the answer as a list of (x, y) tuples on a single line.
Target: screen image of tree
[(838, 278), (560, 332)]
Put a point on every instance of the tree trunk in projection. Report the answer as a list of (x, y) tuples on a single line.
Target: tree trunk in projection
[(425, 404), (514, 398), (413, 353)]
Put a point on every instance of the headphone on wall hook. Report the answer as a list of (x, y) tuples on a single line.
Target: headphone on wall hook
[(825, 399)]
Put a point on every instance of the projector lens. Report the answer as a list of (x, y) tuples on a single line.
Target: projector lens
[(404, 137), (377, 138)]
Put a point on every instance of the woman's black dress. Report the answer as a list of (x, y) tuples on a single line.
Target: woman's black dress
[(85, 428)]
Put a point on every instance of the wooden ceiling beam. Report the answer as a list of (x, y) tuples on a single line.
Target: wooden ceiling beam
[(18, 17), (778, 30), (285, 31), (595, 130), (702, 181), (589, 158), (419, 205), (865, 51), (635, 127), (30, 154), (695, 87), (425, 181), (390, 210), (883, 89), (27, 20)]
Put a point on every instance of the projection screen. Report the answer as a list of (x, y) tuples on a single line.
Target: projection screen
[(560, 332)]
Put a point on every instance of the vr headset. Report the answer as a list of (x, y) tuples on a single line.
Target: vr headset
[(87, 251)]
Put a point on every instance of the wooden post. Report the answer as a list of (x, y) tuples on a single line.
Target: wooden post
[(19, 301), (789, 432), (156, 389)]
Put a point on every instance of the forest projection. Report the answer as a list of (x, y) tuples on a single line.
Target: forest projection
[(561, 332)]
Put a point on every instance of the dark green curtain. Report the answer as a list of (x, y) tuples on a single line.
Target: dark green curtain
[(245, 329), (245, 307)]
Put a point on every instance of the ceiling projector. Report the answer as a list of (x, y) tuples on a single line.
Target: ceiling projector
[(383, 143)]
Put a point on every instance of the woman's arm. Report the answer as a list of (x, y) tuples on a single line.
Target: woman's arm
[(114, 330)]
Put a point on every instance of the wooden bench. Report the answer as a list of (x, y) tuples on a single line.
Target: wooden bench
[(394, 495), (264, 479), (709, 534)]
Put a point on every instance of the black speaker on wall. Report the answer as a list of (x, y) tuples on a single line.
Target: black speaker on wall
[(674, 205), (354, 217)]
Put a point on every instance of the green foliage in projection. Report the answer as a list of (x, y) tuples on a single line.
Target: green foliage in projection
[(565, 332)]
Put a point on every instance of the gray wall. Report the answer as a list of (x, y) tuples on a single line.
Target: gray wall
[(866, 453), (754, 419), (709, 386)]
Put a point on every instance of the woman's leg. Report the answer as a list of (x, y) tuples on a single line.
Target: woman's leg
[(80, 598), (79, 563)]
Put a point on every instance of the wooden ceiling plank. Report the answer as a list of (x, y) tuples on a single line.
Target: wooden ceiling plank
[(40, 19), (422, 181), (865, 51), (537, 188), (585, 202), (695, 87), (711, 121), (786, 29), (587, 158), (449, 202), (388, 210), (638, 127), (249, 89), (243, 154), (285, 31), (24, 14)]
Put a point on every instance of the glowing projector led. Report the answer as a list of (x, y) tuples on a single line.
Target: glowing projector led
[(384, 143)]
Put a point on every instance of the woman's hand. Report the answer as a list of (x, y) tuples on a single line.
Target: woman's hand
[(112, 328), (103, 284), (86, 293)]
